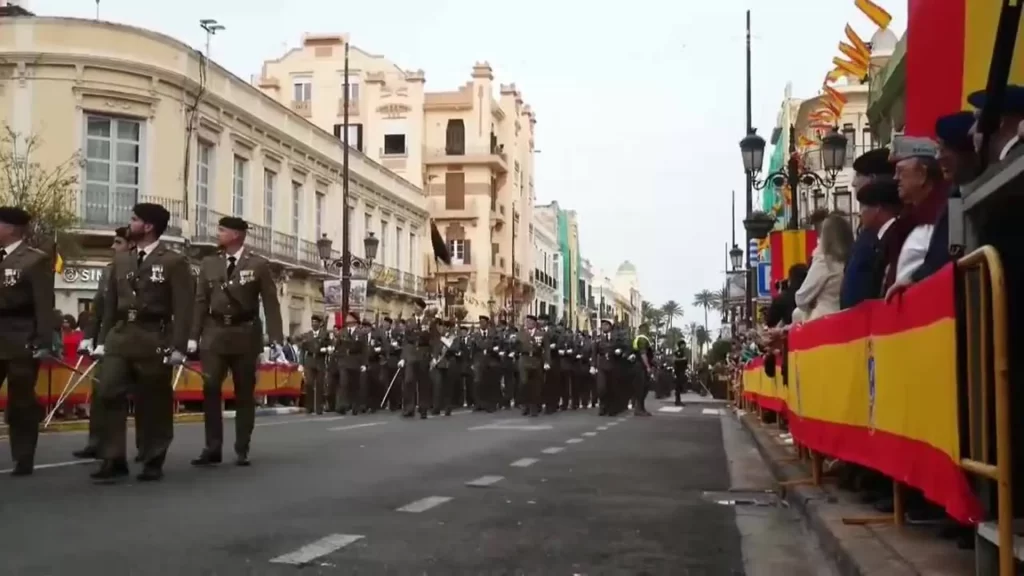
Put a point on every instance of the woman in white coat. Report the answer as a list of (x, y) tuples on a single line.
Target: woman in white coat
[(819, 294)]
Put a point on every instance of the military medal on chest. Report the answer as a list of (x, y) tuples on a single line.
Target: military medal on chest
[(11, 276), (246, 276), (156, 274)]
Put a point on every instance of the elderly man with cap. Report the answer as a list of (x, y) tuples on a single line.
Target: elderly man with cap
[(316, 348), (91, 450), (144, 333), (227, 330), (26, 330), (418, 360)]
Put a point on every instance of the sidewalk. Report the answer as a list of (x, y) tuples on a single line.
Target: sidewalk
[(869, 550), (183, 417)]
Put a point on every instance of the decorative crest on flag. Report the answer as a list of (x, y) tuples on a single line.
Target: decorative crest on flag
[(871, 384)]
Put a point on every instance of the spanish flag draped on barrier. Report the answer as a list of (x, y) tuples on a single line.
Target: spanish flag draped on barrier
[(876, 386), (788, 248)]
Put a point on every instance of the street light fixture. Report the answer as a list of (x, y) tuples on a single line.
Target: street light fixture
[(325, 245), (736, 257), (833, 159)]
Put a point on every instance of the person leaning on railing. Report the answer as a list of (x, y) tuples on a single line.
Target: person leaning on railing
[(819, 294)]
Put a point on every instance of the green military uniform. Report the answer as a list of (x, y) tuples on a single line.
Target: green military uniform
[(92, 333), (26, 327), (226, 325), (487, 366), (420, 345), (314, 348), (441, 375), (391, 352), (352, 346), (534, 360), (608, 350), (148, 312), (639, 375)]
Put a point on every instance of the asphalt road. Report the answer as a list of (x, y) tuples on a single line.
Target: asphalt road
[(475, 494)]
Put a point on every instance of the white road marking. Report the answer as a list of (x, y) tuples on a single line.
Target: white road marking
[(528, 428), (613, 423), (424, 504), (524, 462), (602, 427), (485, 481), (574, 440), (321, 547), (711, 411), (673, 409), (305, 420), (54, 465), (354, 426), (590, 433), (553, 450)]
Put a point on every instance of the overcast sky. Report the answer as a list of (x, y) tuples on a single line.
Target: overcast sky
[(640, 105)]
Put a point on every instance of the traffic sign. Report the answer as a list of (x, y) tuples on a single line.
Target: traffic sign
[(764, 280)]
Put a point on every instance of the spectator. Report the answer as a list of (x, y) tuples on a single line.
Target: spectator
[(879, 203), (780, 312), (71, 337), (819, 294), (1005, 137)]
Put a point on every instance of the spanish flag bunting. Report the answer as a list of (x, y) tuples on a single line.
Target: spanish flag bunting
[(834, 107), (836, 74), (58, 263), (835, 94), (788, 248), (858, 44), (805, 142), (949, 50), (850, 68), (854, 55), (877, 14)]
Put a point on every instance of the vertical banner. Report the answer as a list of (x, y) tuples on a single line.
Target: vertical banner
[(332, 295), (357, 296)]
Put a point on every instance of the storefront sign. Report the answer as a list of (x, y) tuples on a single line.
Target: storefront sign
[(81, 277)]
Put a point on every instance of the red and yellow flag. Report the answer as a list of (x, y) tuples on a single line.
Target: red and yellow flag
[(853, 69), (788, 248), (875, 13), (949, 50)]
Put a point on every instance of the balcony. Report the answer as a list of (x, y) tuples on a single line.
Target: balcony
[(394, 280), (544, 279), (497, 212), (108, 210), (353, 107), (303, 108), (275, 246), (493, 157)]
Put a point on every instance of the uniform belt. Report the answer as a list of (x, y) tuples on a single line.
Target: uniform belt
[(232, 319), (138, 316)]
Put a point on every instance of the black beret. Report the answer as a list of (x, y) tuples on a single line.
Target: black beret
[(121, 232), (151, 213), (14, 216), (531, 317), (233, 223), (485, 318), (388, 319), (874, 163), (607, 321), (420, 302), (953, 130), (1013, 102), (366, 322), (880, 192), (317, 316)]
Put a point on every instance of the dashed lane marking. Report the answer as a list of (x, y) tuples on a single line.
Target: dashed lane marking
[(54, 465), (306, 420), (485, 481), (574, 440), (424, 504), (524, 427), (590, 433), (672, 409), (553, 450), (711, 411), (321, 547), (602, 428), (525, 462), (613, 423), (354, 426)]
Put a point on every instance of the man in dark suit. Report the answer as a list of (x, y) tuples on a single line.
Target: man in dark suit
[(865, 272), (868, 167)]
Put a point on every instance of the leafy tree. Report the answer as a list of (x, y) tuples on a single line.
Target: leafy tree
[(47, 193), (673, 336), (704, 299), (670, 311), (719, 351), (722, 302)]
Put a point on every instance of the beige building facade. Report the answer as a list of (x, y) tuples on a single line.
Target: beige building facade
[(471, 150), (149, 119)]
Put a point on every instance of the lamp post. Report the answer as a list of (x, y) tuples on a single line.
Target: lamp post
[(344, 264), (736, 257), (833, 158)]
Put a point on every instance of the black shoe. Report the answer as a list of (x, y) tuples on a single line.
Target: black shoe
[(110, 471), (87, 453), (242, 460), (150, 474), (23, 468), (423, 415), (207, 459)]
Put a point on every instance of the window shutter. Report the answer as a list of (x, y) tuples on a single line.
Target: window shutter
[(466, 259), (455, 191), (359, 137), (455, 138)]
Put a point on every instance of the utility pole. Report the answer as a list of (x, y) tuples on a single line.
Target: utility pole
[(97, 9), (209, 24), (346, 252), (514, 214), (751, 278)]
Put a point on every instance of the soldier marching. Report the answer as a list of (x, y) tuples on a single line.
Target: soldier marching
[(152, 315)]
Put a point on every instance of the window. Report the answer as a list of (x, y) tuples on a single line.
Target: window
[(457, 250), (204, 164), (398, 247), (851, 142), (455, 138), (269, 183), (367, 225), (350, 225), (394, 144), (355, 135), (296, 207), (867, 140), (455, 191), (412, 252), (382, 249), (302, 90), (353, 89), (113, 158), (319, 215), (238, 187)]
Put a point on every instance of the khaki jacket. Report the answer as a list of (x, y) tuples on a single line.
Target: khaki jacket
[(147, 307), (26, 302), (226, 316)]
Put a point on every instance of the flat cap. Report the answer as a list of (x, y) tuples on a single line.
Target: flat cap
[(531, 317), (953, 130), (914, 147), (1013, 102), (14, 216), (233, 223), (387, 319), (880, 192), (317, 316), (874, 163), (607, 321), (151, 213)]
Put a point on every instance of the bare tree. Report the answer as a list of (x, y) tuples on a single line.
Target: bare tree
[(47, 193)]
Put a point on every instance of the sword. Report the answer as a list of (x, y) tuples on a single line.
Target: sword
[(177, 377), (68, 390), (166, 353), (388, 391), (64, 364)]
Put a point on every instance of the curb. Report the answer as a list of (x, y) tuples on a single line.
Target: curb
[(181, 418), (858, 552)]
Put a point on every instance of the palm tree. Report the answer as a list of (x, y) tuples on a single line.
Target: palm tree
[(703, 338), (722, 302), (691, 330), (671, 310), (705, 299)]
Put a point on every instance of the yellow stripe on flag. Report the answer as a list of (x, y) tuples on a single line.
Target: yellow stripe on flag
[(876, 13), (857, 42), (58, 264), (854, 55), (851, 68)]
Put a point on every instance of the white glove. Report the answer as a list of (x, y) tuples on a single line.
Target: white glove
[(376, 349), (495, 348), (570, 351), (401, 363), (593, 370), (501, 353), (323, 350), (631, 357), (561, 352), (330, 349), (552, 346), (362, 368), (85, 345), (433, 363), (175, 359), (579, 357), (301, 369), (618, 351), (192, 346), (547, 366), (511, 354), (98, 351)]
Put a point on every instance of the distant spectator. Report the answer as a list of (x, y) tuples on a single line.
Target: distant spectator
[(71, 337), (819, 294), (780, 311)]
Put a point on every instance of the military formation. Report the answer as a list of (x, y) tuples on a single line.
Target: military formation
[(152, 315)]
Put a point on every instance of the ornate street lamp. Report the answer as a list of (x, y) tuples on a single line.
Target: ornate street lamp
[(736, 257), (758, 225), (325, 245), (833, 159)]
